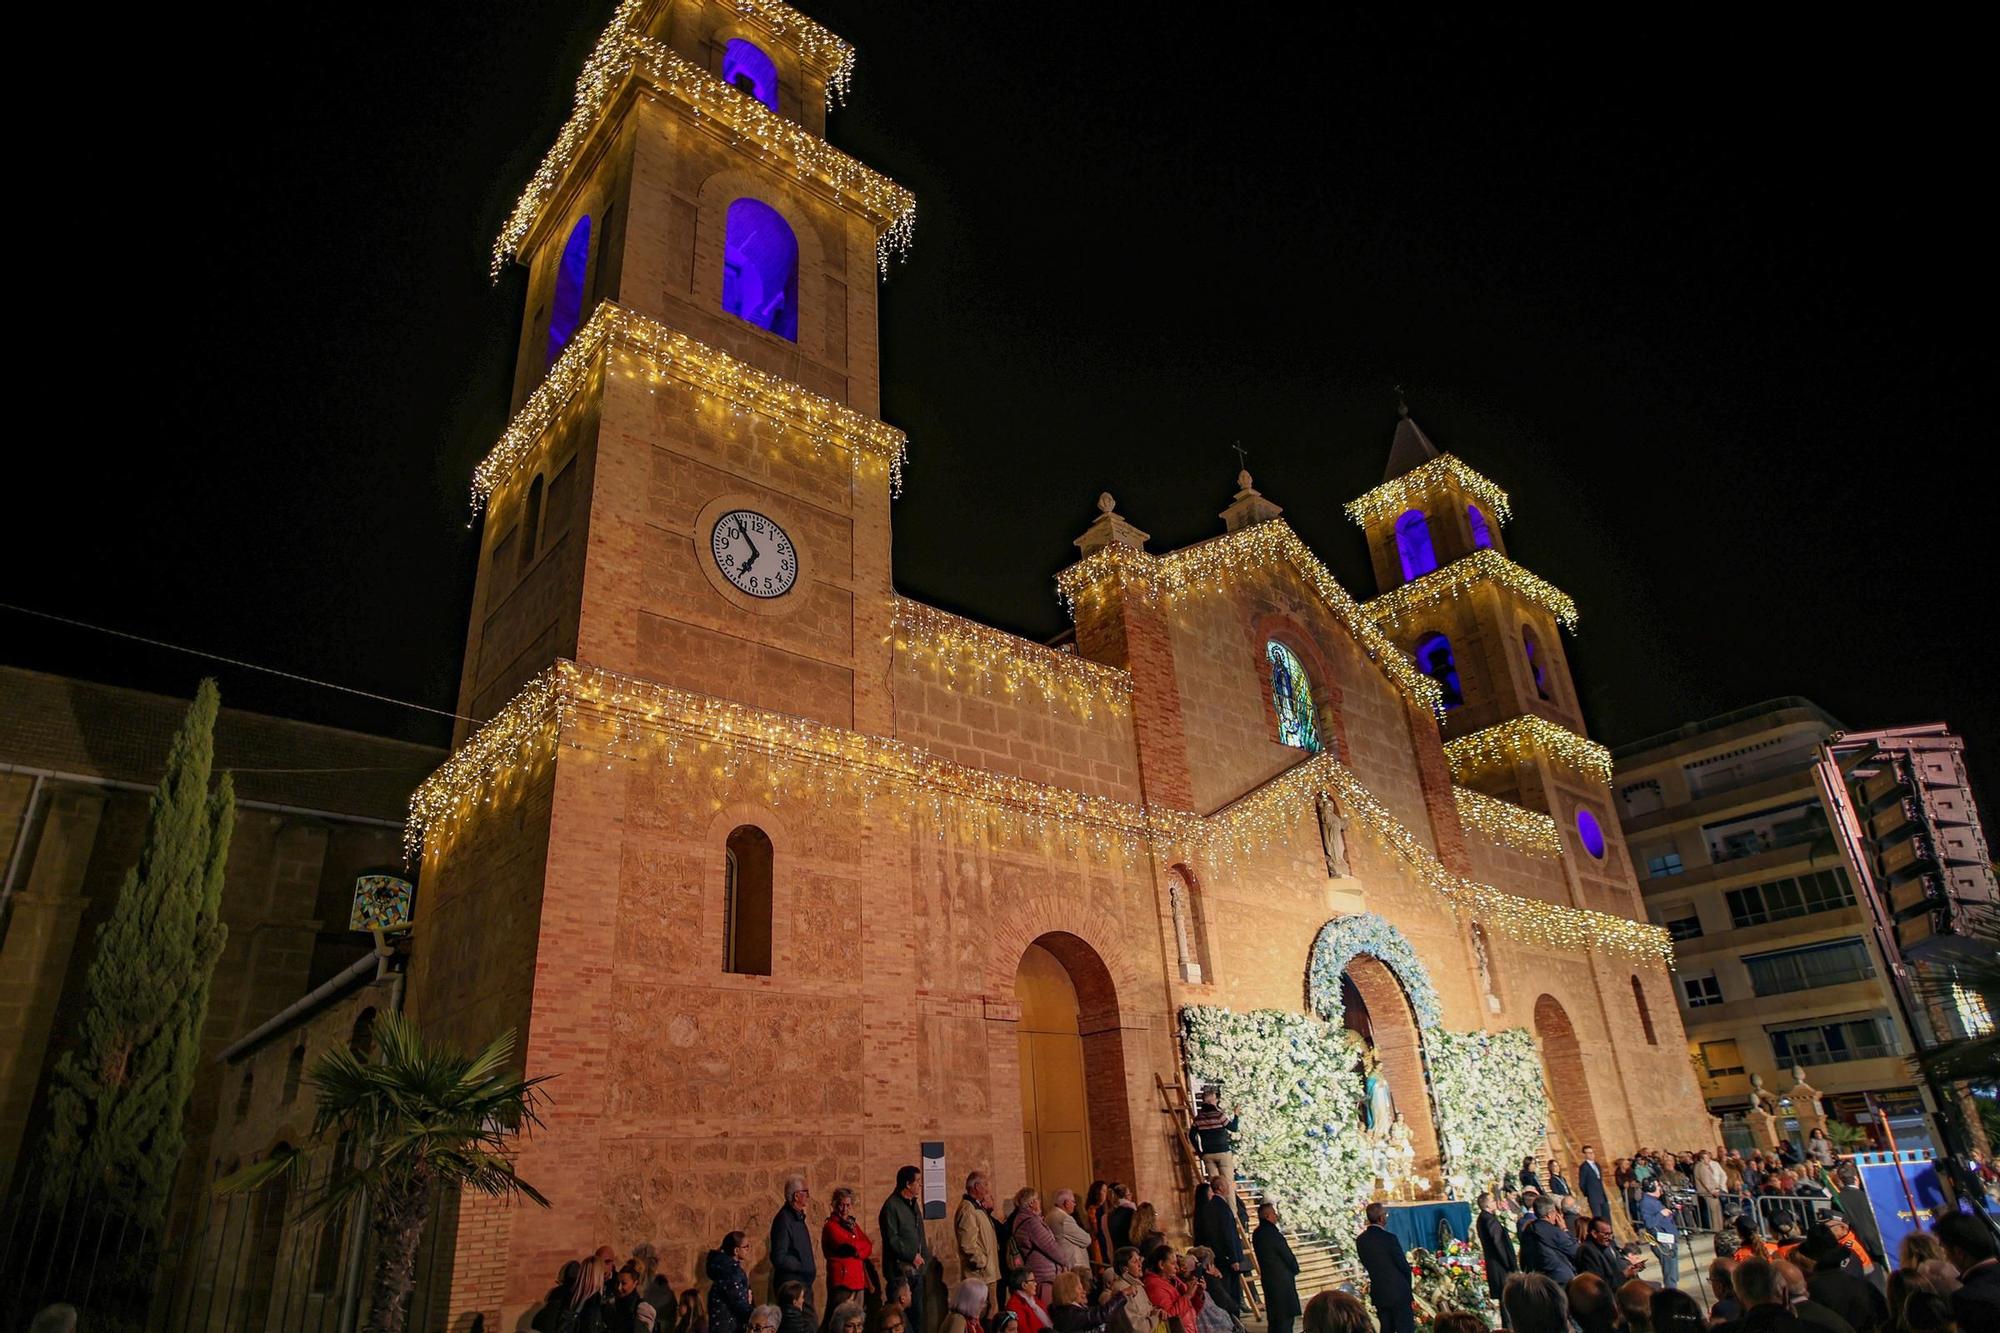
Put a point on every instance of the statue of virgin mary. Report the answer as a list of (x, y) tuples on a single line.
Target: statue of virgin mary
[(1380, 1108)]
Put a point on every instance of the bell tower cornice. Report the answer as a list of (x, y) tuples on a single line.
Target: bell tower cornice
[(628, 61), (621, 341)]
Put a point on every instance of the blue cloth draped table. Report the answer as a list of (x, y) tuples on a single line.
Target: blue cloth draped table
[(1415, 1225)]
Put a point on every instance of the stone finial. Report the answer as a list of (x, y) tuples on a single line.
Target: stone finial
[(1109, 528), (1249, 507)]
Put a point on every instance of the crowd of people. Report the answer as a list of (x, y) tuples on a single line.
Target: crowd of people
[(1551, 1244), (1096, 1264)]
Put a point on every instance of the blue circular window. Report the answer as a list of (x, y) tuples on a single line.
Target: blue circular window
[(1592, 834)]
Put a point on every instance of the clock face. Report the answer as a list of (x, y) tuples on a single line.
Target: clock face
[(754, 553)]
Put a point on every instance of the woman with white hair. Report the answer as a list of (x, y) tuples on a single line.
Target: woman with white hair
[(847, 1249), (968, 1302)]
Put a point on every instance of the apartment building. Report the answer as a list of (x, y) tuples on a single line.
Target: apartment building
[(1779, 966)]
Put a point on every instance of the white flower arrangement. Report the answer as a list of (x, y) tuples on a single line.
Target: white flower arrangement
[(1293, 1079), (1341, 941), (1492, 1109)]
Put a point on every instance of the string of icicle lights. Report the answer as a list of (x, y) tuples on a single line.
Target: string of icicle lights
[(1522, 738), (1410, 490), (1527, 831), (1210, 565), (618, 718), (1482, 566), (647, 349), (968, 655), (626, 51)]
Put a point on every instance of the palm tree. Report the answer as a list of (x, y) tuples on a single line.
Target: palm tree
[(417, 1116)]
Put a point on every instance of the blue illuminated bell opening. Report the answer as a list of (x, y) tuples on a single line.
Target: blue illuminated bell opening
[(1482, 536), (760, 269), (1291, 696), (747, 69), (566, 310), (1413, 544), (1434, 659)]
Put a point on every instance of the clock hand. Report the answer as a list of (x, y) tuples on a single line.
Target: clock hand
[(745, 532)]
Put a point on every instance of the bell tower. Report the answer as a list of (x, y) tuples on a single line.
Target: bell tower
[(685, 529), (1488, 631), (694, 489)]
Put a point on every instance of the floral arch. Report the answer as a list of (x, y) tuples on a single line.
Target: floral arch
[(1345, 938), (1292, 1077)]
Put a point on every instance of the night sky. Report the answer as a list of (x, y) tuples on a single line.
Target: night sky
[(1701, 300)]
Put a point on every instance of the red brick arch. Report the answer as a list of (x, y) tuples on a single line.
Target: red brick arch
[(1563, 1072), (1089, 945), (1393, 1028)]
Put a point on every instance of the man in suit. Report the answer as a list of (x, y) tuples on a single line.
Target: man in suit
[(1530, 1259), (1557, 1185), (1278, 1268), (1599, 1254), (1495, 1244), (1590, 1179), (1388, 1270), (1555, 1248), (1969, 1246), (1215, 1227)]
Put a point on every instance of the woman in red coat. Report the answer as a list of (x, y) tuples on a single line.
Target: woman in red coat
[(847, 1249), (1173, 1296)]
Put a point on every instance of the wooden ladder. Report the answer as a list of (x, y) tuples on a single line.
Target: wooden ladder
[(1174, 1101)]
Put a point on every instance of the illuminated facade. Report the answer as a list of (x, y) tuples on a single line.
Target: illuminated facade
[(776, 870)]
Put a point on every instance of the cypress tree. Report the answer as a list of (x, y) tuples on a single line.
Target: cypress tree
[(120, 1093)]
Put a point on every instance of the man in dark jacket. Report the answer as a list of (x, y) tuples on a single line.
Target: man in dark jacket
[(1278, 1268), (1853, 1299), (1555, 1248), (1388, 1270), (1524, 1234), (1590, 1179), (1600, 1254), (1494, 1244), (791, 1249), (906, 1251), (1969, 1246), (1215, 1227)]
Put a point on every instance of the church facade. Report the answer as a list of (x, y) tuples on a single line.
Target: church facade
[(774, 870)]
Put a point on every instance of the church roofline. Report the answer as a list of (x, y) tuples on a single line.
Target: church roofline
[(571, 704), (965, 649), (625, 55), (1195, 569), (1482, 566), (1397, 494), (673, 356)]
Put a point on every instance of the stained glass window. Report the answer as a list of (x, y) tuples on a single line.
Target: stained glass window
[(1291, 691)]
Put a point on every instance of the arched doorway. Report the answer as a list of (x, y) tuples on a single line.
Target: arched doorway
[(1572, 1117), (1375, 1008), (1074, 1117)]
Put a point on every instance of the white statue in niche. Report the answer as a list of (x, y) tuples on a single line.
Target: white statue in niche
[(1485, 965), (1183, 942), (1333, 836)]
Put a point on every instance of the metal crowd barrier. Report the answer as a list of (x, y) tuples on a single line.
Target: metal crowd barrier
[(1770, 1209)]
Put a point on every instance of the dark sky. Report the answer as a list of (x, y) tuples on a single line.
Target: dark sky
[(1706, 300)]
